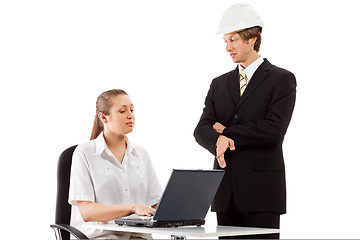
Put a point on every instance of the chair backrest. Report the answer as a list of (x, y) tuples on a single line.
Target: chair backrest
[(63, 208)]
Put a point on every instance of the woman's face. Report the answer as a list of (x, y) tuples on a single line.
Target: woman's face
[(121, 119)]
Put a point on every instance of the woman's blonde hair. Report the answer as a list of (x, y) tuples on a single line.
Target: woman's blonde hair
[(103, 104)]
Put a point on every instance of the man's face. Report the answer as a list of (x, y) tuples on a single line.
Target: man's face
[(239, 49)]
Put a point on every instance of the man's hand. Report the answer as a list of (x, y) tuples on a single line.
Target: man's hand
[(218, 127), (222, 144)]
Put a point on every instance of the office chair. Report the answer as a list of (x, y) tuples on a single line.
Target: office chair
[(62, 226)]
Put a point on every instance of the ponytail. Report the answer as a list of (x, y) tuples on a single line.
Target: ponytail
[(97, 129)]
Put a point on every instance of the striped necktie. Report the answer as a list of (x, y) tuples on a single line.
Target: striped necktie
[(242, 79)]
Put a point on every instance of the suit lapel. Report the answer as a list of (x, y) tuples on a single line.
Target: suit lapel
[(258, 77), (233, 85)]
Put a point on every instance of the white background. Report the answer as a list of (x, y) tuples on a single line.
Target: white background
[(56, 57)]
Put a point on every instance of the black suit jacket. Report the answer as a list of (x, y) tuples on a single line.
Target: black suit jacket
[(257, 122)]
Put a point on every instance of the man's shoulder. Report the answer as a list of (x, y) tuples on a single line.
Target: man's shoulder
[(226, 75), (276, 69)]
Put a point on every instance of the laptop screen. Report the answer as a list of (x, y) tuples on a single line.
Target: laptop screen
[(188, 195)]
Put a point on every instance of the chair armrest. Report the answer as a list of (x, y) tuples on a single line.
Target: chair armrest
[(72, 230)]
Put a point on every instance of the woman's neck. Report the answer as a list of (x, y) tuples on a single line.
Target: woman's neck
[(116, 144)]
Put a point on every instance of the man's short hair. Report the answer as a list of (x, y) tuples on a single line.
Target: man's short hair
[(250, 33)]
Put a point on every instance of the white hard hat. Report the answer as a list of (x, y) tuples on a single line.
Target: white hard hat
[(238, 17)]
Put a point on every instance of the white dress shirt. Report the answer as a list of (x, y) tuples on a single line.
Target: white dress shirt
[(250, 70), (97, 176)]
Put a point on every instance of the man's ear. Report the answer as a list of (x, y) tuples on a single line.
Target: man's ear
[(102, 117), (252, 41)]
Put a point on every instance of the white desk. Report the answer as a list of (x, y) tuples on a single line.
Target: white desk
[(189, 231)]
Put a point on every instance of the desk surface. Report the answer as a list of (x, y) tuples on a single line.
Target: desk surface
[(190, 231)]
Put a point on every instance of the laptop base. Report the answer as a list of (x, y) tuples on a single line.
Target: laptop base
[(157, 224)]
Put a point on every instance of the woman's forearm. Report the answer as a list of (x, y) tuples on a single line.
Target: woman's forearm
[(102, 213)]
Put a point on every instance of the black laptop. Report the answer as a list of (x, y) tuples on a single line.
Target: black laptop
[(185, 200)]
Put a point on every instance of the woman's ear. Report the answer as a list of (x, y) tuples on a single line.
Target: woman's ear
[(102, 117)]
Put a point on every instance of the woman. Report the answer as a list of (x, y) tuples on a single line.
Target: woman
[(110, 176)]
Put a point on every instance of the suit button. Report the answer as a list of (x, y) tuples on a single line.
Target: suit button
[(236, 116)]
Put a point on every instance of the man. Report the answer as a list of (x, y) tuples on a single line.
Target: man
[(244, 121)]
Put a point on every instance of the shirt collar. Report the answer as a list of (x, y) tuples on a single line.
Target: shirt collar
[(131, 148), (250, 70), (100, 146)]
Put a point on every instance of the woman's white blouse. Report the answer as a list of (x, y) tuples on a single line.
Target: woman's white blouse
[(97, 176)]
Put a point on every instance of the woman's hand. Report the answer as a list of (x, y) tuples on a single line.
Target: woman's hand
[(142, 210)]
